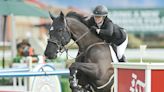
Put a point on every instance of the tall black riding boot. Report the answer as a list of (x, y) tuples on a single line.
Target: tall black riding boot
[(123, 59)]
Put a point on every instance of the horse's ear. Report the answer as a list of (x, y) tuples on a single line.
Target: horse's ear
[(62, 15), (52, 17)]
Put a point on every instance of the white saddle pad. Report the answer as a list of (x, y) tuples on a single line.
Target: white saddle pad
[(114, 57)]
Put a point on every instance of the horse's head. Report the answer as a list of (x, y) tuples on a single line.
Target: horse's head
[(59, 36)]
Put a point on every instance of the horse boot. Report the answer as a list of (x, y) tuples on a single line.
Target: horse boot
[(88, 88), (77, 90), (73, 81)]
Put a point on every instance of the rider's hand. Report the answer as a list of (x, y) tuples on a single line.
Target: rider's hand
[(93, 29)]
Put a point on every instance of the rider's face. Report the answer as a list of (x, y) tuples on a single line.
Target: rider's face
[(98, 19)]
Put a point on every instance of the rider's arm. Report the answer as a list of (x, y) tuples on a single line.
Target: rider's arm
[(108, 31), (89, 22)]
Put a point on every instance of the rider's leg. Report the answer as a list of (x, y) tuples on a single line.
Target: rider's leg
[(121, 49)]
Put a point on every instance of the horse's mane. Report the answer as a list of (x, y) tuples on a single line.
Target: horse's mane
[(77, 16)]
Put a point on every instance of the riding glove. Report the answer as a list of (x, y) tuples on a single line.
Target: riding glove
[(94, 29)]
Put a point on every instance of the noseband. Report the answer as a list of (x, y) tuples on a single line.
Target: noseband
[(60, 47)]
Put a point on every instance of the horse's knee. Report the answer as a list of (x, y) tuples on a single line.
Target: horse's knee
[(73, 69)]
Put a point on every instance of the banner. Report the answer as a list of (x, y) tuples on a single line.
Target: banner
[(131, 80)]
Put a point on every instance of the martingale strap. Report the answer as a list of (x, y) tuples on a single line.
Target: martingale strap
[(110, 79)]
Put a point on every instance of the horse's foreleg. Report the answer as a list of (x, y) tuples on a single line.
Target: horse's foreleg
[(90, 69)]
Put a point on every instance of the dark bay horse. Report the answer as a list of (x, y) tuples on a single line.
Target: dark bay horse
[(92, 71)]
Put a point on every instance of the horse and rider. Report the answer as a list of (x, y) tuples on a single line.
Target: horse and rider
[(92, 70)]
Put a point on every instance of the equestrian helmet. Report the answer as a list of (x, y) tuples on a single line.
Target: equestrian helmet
[(100, 10)]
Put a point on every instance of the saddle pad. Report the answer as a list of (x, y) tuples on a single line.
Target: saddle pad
[(113, 54)]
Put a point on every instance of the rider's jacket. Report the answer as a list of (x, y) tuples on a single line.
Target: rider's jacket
[(110, 32)]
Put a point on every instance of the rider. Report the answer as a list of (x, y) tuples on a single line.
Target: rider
[(105, 29)]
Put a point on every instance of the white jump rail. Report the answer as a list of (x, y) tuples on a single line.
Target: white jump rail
[(29, 74), (30, 80), (14, 70)]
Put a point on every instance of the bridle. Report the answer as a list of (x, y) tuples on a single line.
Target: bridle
[(61, 47)]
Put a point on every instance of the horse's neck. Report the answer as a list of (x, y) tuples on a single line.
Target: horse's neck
[(86, 41), (78, 29)]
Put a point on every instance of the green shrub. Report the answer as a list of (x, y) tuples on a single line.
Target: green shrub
[(133, 42)]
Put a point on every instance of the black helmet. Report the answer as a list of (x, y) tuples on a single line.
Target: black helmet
[(100, 10)]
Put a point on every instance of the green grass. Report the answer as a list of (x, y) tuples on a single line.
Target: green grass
[(65, 84), (5, 81), (147, 60)]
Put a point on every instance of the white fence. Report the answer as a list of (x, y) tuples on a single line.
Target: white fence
[(41, 78)]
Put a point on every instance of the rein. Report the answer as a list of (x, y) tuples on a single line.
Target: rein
[(66, 49), (72, 33)]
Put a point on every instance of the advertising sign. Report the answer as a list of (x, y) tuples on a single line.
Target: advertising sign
[(131, 80)]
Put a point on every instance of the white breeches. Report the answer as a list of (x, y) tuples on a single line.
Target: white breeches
[(121, 48)]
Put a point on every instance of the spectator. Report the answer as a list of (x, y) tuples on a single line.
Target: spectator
[(24, 49)]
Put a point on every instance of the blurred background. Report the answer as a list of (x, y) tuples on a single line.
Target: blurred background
[(26, 23)]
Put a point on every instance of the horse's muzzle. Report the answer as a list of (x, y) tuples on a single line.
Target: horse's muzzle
[(50, 56)]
